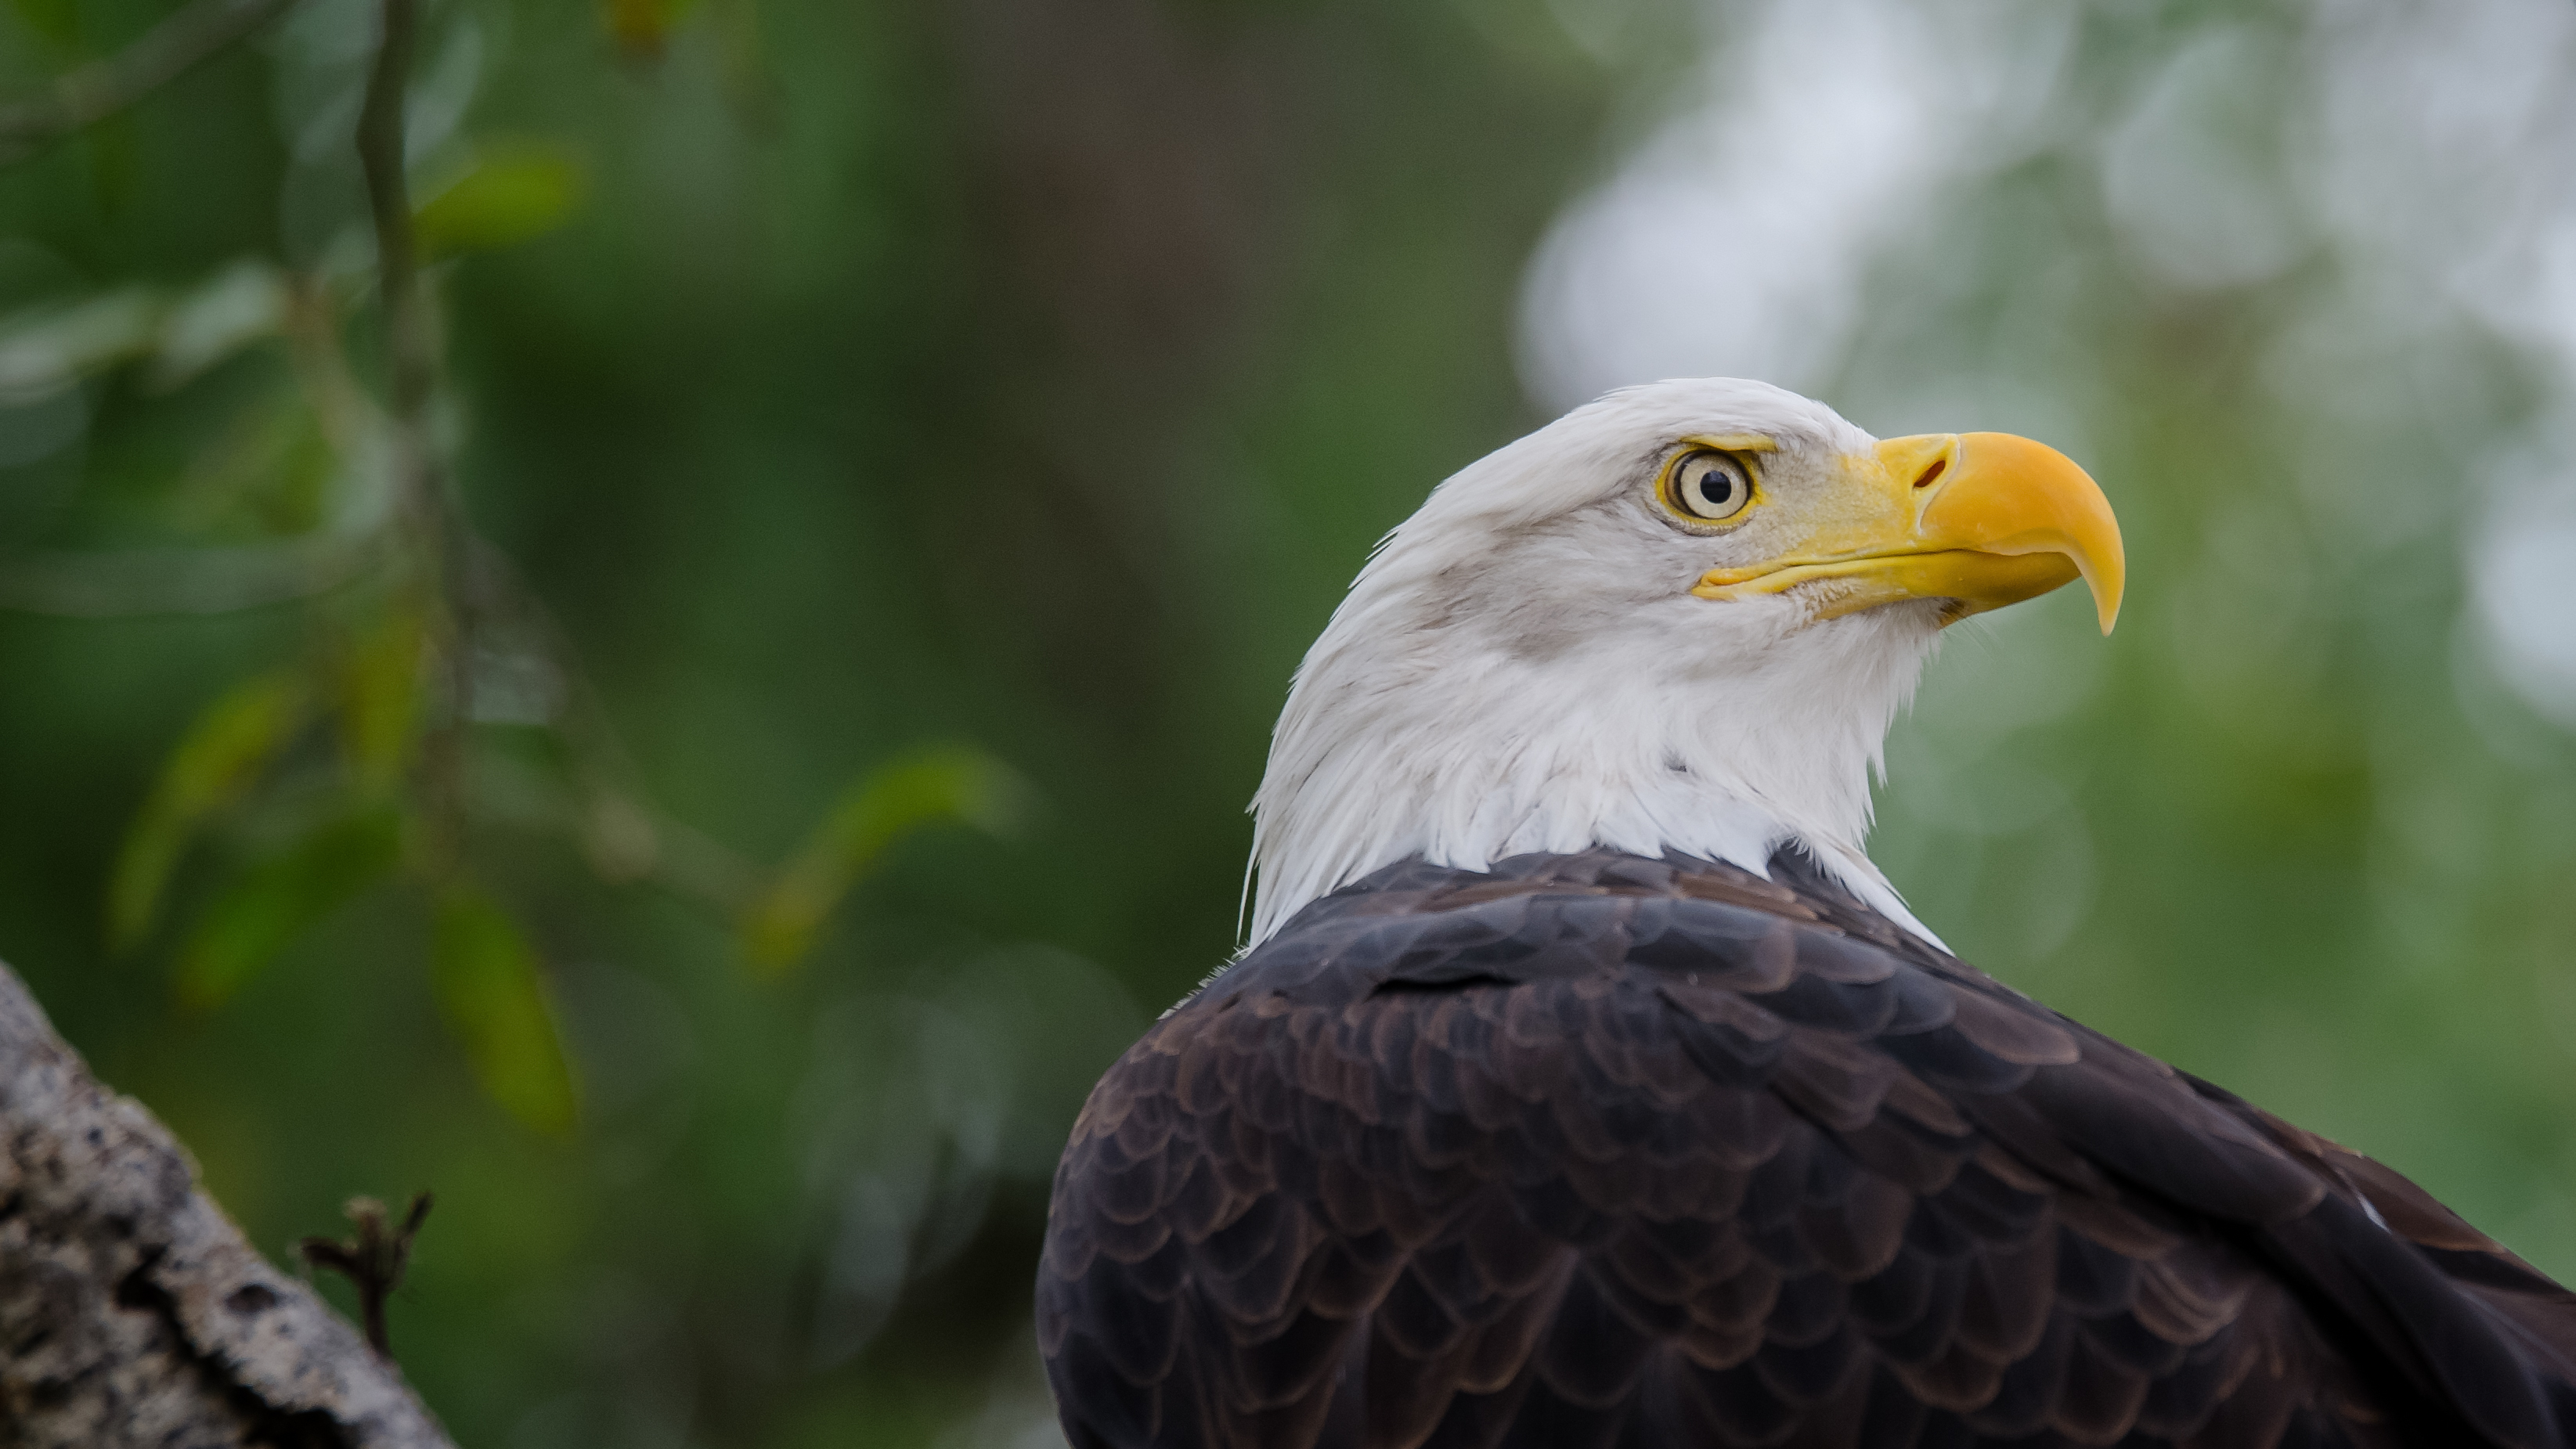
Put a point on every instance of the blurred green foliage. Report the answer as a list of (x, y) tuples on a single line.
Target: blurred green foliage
[(885, 417), (511, 195), (488, 983), (211, 768), (779, 927), (280, 896)]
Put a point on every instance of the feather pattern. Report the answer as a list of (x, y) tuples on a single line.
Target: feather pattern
[(1598, 1149)]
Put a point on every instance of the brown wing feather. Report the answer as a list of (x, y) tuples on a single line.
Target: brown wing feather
[(1599, 1151)]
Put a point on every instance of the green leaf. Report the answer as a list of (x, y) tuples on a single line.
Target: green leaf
[(489, 988), (939, 786), (280, 898), (379, 698), (214, 764), (513, 194)]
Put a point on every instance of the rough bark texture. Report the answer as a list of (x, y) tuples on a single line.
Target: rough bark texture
[(131, 1311)]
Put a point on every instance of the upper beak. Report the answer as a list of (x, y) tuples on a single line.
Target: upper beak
[(1978, 520)]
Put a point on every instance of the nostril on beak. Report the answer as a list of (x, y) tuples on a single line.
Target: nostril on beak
[(1932, 474)]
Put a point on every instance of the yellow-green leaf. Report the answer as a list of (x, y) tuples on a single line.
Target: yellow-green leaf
[(278, 899), (379, 697), (513, 194), (934, 787), (494, 998), (214, 764)]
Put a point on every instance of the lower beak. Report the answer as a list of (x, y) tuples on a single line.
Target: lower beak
[(1976, 520)]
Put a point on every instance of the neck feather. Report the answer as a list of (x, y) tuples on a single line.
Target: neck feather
[(1709, 741)]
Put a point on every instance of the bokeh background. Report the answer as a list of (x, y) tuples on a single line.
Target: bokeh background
[(1020, 383)]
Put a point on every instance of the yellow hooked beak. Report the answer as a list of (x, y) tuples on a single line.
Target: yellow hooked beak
[(1979, 520)]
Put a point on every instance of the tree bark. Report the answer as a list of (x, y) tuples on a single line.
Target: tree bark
[(131, 1310)]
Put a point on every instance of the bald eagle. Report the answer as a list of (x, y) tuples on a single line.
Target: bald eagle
[(1585, 1084)]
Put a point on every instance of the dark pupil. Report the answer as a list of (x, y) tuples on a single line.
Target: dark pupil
[(1716, 486)]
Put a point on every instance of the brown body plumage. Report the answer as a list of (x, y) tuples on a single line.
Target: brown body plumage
[(1596, 1150)]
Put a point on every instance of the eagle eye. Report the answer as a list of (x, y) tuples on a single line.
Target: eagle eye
[(1707, 486)]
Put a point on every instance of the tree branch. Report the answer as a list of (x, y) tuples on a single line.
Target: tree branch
[(134, 1312), (102, 88)]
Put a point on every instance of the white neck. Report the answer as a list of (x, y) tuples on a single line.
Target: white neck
[(1456, 733)]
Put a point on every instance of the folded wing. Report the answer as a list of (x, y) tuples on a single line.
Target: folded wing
[(1596, 1150)]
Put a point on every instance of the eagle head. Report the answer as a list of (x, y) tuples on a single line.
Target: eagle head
[(1680, 618)]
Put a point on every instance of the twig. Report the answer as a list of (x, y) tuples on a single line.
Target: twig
[(420, 492), (374, 1260), (380, 152), (102, 88)]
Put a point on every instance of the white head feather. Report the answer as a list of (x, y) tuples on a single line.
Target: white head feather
[(1521, 666)]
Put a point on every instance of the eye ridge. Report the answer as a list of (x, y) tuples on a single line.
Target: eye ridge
[(1705, 485)]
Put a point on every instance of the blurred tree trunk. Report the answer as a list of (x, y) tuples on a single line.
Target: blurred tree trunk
[(131, 1311)]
